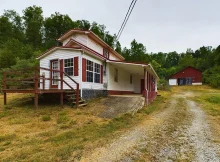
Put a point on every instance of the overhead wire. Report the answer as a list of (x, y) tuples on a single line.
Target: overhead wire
[(131, 7)]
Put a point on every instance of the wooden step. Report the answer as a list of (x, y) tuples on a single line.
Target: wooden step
[(82, 105), (81, 101)]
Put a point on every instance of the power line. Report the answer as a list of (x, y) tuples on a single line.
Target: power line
[(131, 7), (125, 17)]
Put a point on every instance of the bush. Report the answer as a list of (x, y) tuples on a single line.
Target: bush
[(214, 99), (46, 118), (163, 85), (62, 118)]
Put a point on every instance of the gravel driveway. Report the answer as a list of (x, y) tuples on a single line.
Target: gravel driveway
[(180, 132)]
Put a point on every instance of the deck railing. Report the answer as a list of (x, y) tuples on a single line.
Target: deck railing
[(29, 80)]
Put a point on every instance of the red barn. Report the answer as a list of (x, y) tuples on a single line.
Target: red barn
[(187, 76)]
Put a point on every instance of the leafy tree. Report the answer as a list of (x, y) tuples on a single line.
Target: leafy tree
[(83, 24), (5, 29), (118, 47), (33, 22), (16, 24), (54, 26), (172, 59)]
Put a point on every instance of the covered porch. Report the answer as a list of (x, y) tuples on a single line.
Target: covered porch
[(133, 78)]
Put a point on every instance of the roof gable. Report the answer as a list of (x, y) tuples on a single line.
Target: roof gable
[(93, 36)]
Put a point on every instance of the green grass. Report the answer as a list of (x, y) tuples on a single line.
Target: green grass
[(62, 118), (213, 99), (46, 118)]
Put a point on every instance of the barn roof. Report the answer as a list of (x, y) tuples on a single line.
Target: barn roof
[(185, 69)]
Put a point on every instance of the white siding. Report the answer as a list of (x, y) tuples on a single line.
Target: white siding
[(123, 83), (196, 83), (81, 38), (137, 83), (67, 40), (95, 46), (113, 57), (172, 81), (59, 54), (89, 85)]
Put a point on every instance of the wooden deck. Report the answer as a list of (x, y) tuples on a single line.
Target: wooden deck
[(19, 77)]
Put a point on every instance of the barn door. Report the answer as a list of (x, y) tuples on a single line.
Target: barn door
[(54, 65)]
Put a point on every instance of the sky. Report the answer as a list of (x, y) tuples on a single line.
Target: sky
[(161, 25)]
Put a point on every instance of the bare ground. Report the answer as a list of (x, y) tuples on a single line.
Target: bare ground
[(181, 132)]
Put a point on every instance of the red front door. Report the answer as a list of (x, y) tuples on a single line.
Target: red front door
[(54, 65), (142, 86)]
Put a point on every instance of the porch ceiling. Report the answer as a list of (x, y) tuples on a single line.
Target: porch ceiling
[(137, 69)]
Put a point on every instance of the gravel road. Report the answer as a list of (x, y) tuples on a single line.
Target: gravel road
[(180, 132)]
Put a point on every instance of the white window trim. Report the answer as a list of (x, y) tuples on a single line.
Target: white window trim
[(69, 66)]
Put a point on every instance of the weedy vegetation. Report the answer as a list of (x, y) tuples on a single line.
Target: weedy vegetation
[(52, 133)]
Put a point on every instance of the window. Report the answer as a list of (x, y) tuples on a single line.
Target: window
[(89, 71), (68, 66), (97, 73), (55, 75), (131, 80), (116, 75), (105, 53)]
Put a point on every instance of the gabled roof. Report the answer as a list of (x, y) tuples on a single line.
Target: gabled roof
[(184, 69), (97, 55), (92, 36)]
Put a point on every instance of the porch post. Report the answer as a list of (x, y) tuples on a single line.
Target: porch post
[(156, 85), (145, 86), (36, 89)]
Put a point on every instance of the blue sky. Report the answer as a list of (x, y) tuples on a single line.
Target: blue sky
[(161, 25)]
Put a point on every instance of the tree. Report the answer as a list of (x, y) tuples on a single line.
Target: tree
[(54, 26), (33, 23), (16, 24), (118, 47), (172, 59), (5, 29), (83, 24)]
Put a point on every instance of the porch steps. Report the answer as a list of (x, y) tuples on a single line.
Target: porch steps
[(71, 97)]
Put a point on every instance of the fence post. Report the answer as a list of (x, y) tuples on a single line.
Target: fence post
[(43, 82), (36, 89), (4, 88), (77, 94), (61, 84)]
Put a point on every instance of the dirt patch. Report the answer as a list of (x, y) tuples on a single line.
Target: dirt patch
[(200, 136), (116, 105), (181, 132), (119, 148)]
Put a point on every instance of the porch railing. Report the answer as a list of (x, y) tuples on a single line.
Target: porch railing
[(28, 81)]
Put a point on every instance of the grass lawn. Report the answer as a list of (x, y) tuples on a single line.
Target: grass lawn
[(52, 133)]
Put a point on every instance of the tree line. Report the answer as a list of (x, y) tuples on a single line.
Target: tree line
[(24, 37)]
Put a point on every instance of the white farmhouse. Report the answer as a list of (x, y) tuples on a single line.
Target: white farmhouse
[(97, 68)]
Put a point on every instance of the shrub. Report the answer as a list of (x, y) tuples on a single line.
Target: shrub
[(62, 118), (46, 118), (163, 85), (214, 99)]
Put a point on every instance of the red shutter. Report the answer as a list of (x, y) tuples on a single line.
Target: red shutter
[(101, 79), (61, 67), (76, 66), (84, 70)]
